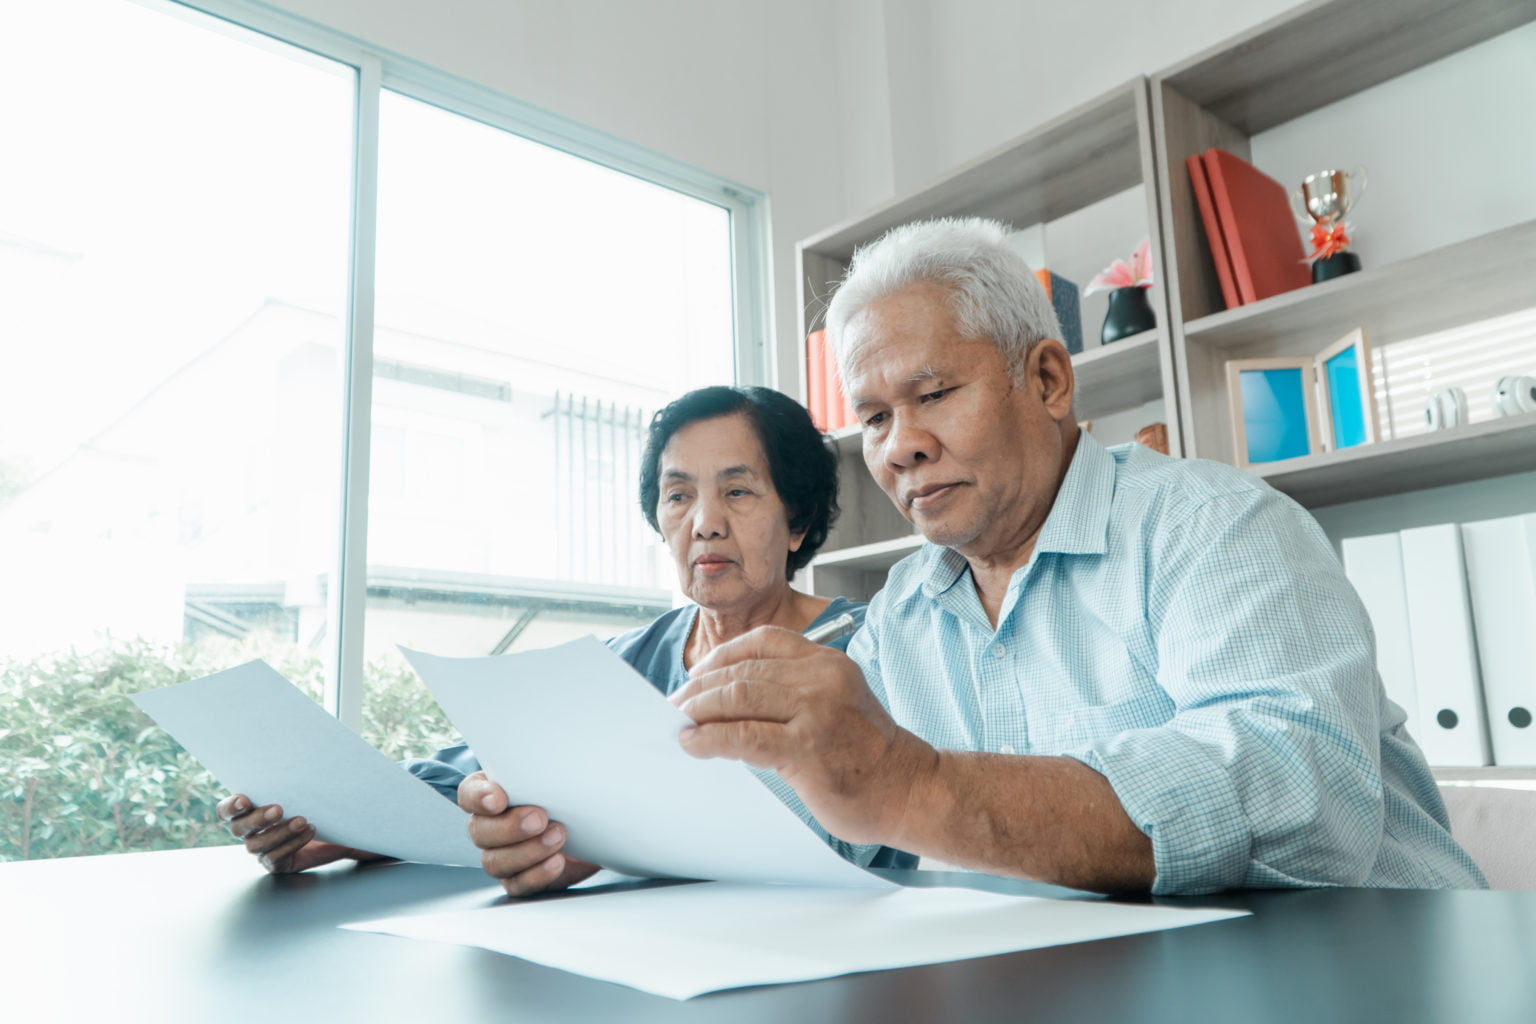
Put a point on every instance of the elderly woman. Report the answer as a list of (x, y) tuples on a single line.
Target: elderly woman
[(743, 489)]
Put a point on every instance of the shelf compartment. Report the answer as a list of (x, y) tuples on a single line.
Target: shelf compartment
[(1119, 375), (877, 556), (1483, 277), (1270, 75), (1075, 160), (1473, 452)]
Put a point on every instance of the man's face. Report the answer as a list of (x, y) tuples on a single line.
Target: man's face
[(969, 457)]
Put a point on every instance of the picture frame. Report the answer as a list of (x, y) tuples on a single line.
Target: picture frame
[(1287, 407), (1274, 409), (1346, 393)]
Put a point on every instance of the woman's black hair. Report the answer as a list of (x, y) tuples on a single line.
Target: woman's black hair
[(801, 463)]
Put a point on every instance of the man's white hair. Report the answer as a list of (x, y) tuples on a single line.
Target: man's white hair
[(995, 295)]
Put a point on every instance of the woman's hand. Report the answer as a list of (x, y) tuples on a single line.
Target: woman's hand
[(282, 845), (519, 846)]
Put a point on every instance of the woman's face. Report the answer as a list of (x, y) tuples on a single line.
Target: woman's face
[(721, 516)]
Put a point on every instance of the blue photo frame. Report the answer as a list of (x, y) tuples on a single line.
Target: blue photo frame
[(1346, 393), (1274, 409)]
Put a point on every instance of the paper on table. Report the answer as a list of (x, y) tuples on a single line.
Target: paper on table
[(261, 736), (577, 731), (684, 940)]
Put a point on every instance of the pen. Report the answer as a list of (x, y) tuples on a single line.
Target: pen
[(829, 631)]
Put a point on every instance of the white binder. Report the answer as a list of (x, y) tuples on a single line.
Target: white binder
[(1375, 566), (1452, 729), (1501, 580)]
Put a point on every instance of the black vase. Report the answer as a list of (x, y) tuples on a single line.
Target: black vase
[(1337, 265), (1129, 313)]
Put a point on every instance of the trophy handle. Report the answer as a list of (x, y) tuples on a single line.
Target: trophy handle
[(1299, 207), (1359, 172)]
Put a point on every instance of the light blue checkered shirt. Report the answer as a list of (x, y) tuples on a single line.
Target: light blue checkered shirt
[(1187, 632)]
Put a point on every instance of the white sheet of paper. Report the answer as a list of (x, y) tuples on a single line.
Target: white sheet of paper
[(685, 940), (261, 736), (577, 731)]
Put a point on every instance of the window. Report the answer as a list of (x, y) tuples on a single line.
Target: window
[(533, 310), (177, 225)]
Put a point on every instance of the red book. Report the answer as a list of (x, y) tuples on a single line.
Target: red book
[(1213, 230), (816, 381), (1262, 238)]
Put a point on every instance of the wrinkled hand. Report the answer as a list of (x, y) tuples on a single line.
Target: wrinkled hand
[(519, 846), (282, 845), (776, 700)]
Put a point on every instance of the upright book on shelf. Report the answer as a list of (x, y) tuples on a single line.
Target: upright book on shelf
[(1262, 237), (816, 382), (1452, 727), (1375, 566), (1501, 580), (1208, 217), (1069, 312)]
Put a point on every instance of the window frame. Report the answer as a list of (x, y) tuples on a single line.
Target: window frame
[(374, 70)]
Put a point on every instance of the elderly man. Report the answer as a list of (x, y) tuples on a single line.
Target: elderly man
[(1106, 669)]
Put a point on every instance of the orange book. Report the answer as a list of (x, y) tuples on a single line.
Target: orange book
[(838, 411), (1262, 238), (1212, 223), (816, 380)]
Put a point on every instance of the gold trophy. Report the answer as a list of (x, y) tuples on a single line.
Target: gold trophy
[(1326, 197)]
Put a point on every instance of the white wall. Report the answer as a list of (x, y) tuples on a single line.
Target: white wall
[(829, 106), (989, 70)]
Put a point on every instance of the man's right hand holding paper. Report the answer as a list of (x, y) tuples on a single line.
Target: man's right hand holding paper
[(520, 847)]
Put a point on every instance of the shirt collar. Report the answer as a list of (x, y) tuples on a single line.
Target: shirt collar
[(1078, 523)]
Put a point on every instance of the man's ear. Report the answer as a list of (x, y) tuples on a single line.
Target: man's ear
[(1051, 372)]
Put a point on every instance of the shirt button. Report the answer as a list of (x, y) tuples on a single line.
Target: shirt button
[(999, 651), (1006, 748)]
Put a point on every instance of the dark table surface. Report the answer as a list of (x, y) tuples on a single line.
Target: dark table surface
[(204, 935)]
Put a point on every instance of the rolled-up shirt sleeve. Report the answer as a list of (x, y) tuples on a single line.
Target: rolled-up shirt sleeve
[(1267, 773), (445, 769)]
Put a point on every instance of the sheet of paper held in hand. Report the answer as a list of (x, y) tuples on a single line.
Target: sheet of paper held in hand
[(577, 731), (684, 940), (261, 736)]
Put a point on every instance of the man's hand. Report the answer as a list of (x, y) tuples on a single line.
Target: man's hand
[(776, 700), (282, 845), (519, 846)]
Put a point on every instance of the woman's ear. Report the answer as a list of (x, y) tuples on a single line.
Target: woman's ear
[(796, 539)]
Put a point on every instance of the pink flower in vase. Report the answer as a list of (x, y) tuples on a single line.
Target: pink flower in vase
[(1129, 311), (1120, 274)]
